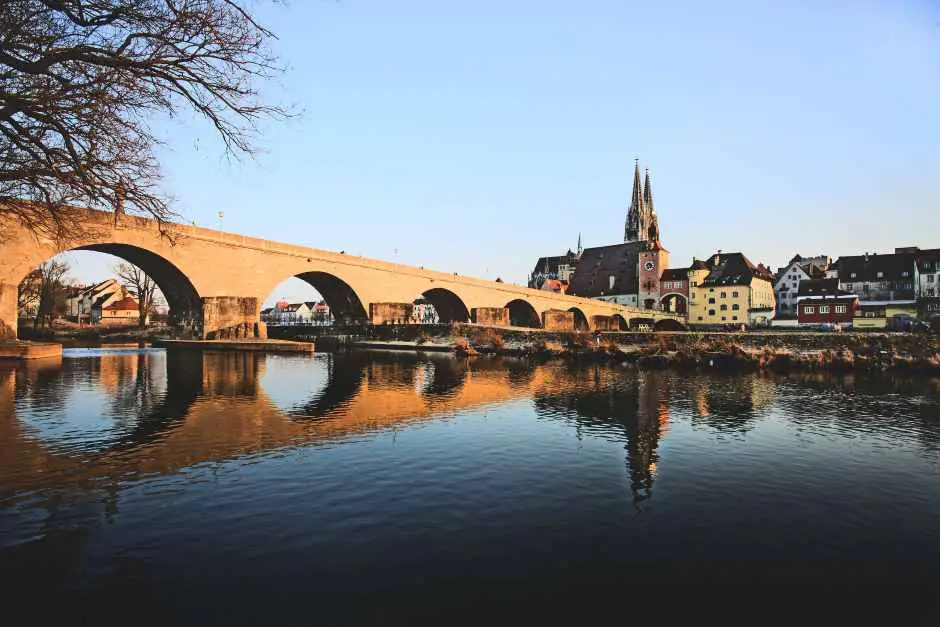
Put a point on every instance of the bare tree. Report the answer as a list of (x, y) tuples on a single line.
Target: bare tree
[(27, 294), (141, 287), (51, 291), (79, 80)]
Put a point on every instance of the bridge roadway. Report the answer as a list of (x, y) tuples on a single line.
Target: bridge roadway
[(214, 281)]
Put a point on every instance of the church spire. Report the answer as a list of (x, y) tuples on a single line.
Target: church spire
[(648, 193), (635, 226), (579, 245)]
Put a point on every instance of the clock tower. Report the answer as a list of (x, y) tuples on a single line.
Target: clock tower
[(653, 261)]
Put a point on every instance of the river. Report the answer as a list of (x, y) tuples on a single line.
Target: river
[(239, 488)]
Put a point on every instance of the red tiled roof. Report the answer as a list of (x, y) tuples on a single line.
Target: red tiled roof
[(125, 304)]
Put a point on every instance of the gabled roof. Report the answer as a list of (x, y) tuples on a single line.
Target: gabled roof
[(292, 307), (549, 265), (675, 274), (927, 260), (125, 304), (820, 287), (698, 264), (731, 269), (621, 261), (866, 267)]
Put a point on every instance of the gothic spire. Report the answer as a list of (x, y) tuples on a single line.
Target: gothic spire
[(635, 216), (648, 193), (579, 244)]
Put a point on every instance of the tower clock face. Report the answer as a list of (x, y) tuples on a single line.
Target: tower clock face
[(648, 266)]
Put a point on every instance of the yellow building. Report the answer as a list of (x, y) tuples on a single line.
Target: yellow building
[(730, 290)]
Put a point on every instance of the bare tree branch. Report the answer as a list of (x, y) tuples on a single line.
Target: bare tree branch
[(141, 287), (80, 78)]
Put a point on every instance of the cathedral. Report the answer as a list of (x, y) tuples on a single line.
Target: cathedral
[(627, 273)]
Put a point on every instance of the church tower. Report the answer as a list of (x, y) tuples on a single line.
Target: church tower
[(641, 225), (654, 258)]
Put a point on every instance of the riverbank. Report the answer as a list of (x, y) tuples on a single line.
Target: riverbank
[(748, 352)]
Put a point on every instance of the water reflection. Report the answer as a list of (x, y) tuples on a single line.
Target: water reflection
[(130, 414), (120, 459)]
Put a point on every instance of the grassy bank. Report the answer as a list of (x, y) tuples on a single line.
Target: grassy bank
[(740, 352)]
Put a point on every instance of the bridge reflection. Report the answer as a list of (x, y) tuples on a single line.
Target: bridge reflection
[(125, 416)]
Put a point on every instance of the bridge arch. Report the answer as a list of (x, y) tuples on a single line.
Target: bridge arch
[(345, 304), (182, 298), (580, 320), (449, 306), (668, 324), (618, 323), (523, 314), (675, 302)]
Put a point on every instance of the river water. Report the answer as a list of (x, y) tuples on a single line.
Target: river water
[(237, 488)]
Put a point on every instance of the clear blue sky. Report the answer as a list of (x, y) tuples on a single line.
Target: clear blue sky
[(476, 136)]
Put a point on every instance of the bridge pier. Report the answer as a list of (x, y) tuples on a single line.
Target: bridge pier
[(391, 313), (602, 323), (558, 320), (8, 311), (490, 316), (229, 317)]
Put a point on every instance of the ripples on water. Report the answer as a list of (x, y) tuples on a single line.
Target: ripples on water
[(238, 488)]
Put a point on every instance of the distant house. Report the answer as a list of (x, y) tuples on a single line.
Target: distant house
[(821, 301), (555, 285), (787, 281), (123, 311), (80, 303), (555, 268), (885, 285), (309, 312), (928, 269)]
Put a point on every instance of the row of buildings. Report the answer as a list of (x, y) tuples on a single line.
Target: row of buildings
[(106, 302), (728, 289)]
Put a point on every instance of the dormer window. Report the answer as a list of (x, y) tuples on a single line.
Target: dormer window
[(854, 275), (881, 275)]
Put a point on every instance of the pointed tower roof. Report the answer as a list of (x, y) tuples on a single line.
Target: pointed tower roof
[(635, 214), (636, 201), (648, 192)]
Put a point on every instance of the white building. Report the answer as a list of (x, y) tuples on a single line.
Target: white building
[(82, 303), (787, 281)]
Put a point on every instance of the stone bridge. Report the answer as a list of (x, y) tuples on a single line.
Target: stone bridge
[(214, 282)]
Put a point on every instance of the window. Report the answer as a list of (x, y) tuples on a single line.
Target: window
[(840, 308), (734, 317), (724, 307), (711, 312), (930, 278), (711, 289), (723, 318), (735, 307), (734, 294), (849, 287), (854, 275), (824, 309), (711, 301), (724, 294), (700, 318), (905, 273), (808, 309), (881, 275)]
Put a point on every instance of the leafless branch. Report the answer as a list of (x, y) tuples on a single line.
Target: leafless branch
[(79, 80)]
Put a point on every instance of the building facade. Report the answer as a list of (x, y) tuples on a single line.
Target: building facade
[(733, 292), (787, 281), (885, 285), (821, 301)]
